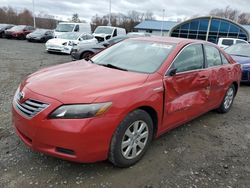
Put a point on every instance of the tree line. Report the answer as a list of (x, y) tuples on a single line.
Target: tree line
[(232, 14), (127, 21), (10, 15)]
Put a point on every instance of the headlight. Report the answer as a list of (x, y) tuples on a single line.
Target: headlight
[(80, 111), (70, 43)]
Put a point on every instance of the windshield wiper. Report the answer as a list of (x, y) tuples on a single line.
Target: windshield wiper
[(113, 67), (90, 60)]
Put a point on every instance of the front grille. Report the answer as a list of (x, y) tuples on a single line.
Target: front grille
[(30, 107), (245, 76)]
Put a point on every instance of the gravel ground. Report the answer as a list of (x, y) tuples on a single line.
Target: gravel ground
[(211, 151)]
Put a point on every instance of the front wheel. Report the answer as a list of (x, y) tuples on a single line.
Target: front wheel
[(228, 100), (87, 55), (131, 139)]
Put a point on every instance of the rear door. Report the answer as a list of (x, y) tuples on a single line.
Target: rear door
[(186, 92), (220, 74)]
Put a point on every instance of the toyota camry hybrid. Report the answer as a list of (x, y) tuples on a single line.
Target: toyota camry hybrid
[(112, 106)]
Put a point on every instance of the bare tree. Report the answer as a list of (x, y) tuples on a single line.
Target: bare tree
[(232, 14), (11, 16), (75, 18)]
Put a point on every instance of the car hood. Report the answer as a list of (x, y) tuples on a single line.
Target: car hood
[(35, 35), (81, 82), (241, 59), (57, 41)]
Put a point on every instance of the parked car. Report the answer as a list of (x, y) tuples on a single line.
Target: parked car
[(4, 27), (138, 34), (19, 31), (63, 27), (103, 33), (241, 54), (115, 104), (40, 35), (226, 42), (65, 42), (87, 51)]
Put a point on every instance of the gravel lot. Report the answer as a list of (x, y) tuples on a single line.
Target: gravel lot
[(211, 151)]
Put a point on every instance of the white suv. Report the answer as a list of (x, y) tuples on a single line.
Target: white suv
[(226, 42), (103, 33)]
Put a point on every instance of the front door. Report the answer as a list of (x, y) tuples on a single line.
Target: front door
[(186, 91)]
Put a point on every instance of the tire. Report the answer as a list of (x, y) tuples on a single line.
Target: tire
[(130, 153), (86, 55), (22, 37), (227, 100)]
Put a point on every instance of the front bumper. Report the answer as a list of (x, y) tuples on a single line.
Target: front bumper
[(59, 49), (80, 140)]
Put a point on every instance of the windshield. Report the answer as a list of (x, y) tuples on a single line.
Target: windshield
[(65, 27), (17, 28), (69, 36), (3, 26), (134, 55), (39, 31), (103, 30), (239, 50)]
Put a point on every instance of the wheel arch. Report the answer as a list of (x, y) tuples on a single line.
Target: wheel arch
[(86, 51), (236, 86), (154, 116)]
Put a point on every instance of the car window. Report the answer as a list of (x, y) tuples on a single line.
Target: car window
[(76, 28), (213, 56), (227, 42), (224, 60), (89, 37), (115, 33), (190, 58), (240, 42)]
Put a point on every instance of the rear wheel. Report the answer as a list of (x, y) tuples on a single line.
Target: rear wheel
[(131, 139), (228, 100)]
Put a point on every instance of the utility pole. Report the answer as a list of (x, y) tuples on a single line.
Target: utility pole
[(34, 16), (109, 24), (163, 15)]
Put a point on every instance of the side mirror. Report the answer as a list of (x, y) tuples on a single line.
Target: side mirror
[(172, 72)]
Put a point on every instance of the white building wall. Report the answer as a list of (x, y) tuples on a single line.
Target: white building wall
[(155, 33)]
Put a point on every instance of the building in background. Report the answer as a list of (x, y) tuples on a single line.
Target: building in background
[(154, 27), (204, 28)]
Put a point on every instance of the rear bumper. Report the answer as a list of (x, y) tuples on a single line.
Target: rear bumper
[(80, 140)]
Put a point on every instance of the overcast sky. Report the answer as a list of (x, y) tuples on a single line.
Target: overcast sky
[(64, 9)]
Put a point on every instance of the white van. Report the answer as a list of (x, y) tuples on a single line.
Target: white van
[(226, 42), (63, 27), (103, 33)]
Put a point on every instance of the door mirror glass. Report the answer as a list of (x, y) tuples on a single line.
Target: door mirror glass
[(172, 72)]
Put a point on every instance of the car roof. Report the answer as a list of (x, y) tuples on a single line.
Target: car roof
[(172, 40), (231, 38)]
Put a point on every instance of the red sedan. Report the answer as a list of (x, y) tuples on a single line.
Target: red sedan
[(112, 106)]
